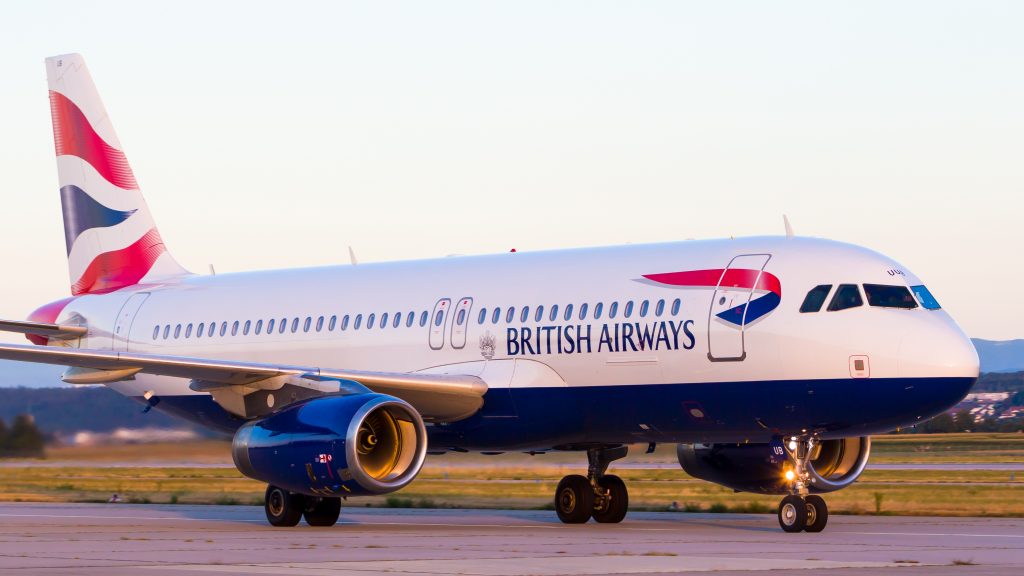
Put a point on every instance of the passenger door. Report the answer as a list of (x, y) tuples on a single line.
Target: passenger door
[(460, 322), (727, 316), (123, 324), (437, 323)]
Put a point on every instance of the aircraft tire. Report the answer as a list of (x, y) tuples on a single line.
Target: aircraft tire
[(792, 514), (322, 511), (574, 499), (283, 508), (617, 503), (817, 513)]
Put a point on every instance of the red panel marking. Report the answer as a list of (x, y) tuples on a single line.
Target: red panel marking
[(73, 135)]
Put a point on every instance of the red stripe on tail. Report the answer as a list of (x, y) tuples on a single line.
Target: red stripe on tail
[(125, 267), (73, 135)]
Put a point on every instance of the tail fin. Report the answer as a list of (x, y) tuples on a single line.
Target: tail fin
[(111, 238)]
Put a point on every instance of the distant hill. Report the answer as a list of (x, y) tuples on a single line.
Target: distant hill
[(1000, 355), (75, 409)]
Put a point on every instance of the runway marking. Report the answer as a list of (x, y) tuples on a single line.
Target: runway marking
[(530, 565), (343, 522), (935, 534)]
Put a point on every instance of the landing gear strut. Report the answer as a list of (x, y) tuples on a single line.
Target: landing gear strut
[(801, 511), (598, 495), (285, 509)]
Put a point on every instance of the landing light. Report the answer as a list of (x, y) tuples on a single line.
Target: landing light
[(792, 445), (790, 475)]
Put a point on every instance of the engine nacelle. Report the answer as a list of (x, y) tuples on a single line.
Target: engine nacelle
[(834, 464), (335, 445)]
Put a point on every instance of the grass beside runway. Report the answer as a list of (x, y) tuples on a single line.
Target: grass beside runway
[(521, 481)]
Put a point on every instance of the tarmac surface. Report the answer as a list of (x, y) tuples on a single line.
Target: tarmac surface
[(162, 540)]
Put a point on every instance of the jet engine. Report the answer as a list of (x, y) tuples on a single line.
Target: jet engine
[(834, 464), (335, 446)]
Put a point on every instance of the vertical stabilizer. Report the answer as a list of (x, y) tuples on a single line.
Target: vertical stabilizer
[(112, 240)]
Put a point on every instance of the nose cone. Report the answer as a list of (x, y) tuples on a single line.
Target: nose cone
[(938, 348), (938, 365)]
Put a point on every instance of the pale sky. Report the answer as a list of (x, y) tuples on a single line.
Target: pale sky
[(269, 135)]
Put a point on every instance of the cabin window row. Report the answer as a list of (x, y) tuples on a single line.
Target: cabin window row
[(288, 325), (582, 313)]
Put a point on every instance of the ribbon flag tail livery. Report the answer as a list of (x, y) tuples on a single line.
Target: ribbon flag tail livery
[(768, 361)]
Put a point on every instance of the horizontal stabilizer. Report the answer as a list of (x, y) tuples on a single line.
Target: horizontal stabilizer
[(54, 331)]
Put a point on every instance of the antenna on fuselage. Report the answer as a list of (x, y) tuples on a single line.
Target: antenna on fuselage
[(212, 271), (352, 256), (789, 228)]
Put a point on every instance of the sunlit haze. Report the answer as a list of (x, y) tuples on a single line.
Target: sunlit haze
[(270, 135)]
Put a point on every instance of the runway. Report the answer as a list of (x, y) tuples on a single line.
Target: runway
[(163, 540)]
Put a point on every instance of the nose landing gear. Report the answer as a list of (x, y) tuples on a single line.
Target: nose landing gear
[(801, 511), (601, 496)]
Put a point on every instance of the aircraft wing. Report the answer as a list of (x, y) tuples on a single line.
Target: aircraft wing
[(437, 397)]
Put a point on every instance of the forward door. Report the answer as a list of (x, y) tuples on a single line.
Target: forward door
[(727, 316)]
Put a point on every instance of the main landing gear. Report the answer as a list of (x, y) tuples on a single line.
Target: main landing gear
[(285, 508), (801, 511), (600, 496)]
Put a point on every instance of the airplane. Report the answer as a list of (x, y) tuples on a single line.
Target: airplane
[(768, 361)]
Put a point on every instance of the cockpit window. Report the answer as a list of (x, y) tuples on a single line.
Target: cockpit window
[(815, 298), (847, 296), (889, 296), (925, 298)]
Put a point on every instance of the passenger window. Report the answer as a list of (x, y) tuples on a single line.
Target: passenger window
[(283, 325), (397, 321), (177, 331), (188, 331), (675, 306), (167, 331), (925, 298), (223, 329), (598, 308), (554, 313), (510, 315), (319, 323), (359, 320), (815, 298), (333, 322), (307, 323), (245, 328), (234, 328), (156, 331), (212, 329), (201, 329), (423, 318), (344, 322), (370, 320), (643, 309), (295, 325), (524, 315), (583, 311), (568, 313), (495, 315), (629, 310), (613, 309), (539, 314), (384, 320), (461, 318), (409, 319), (259, 327), (439, 318), (482, 316), (889, 296), (847, 296), (270, 326)]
